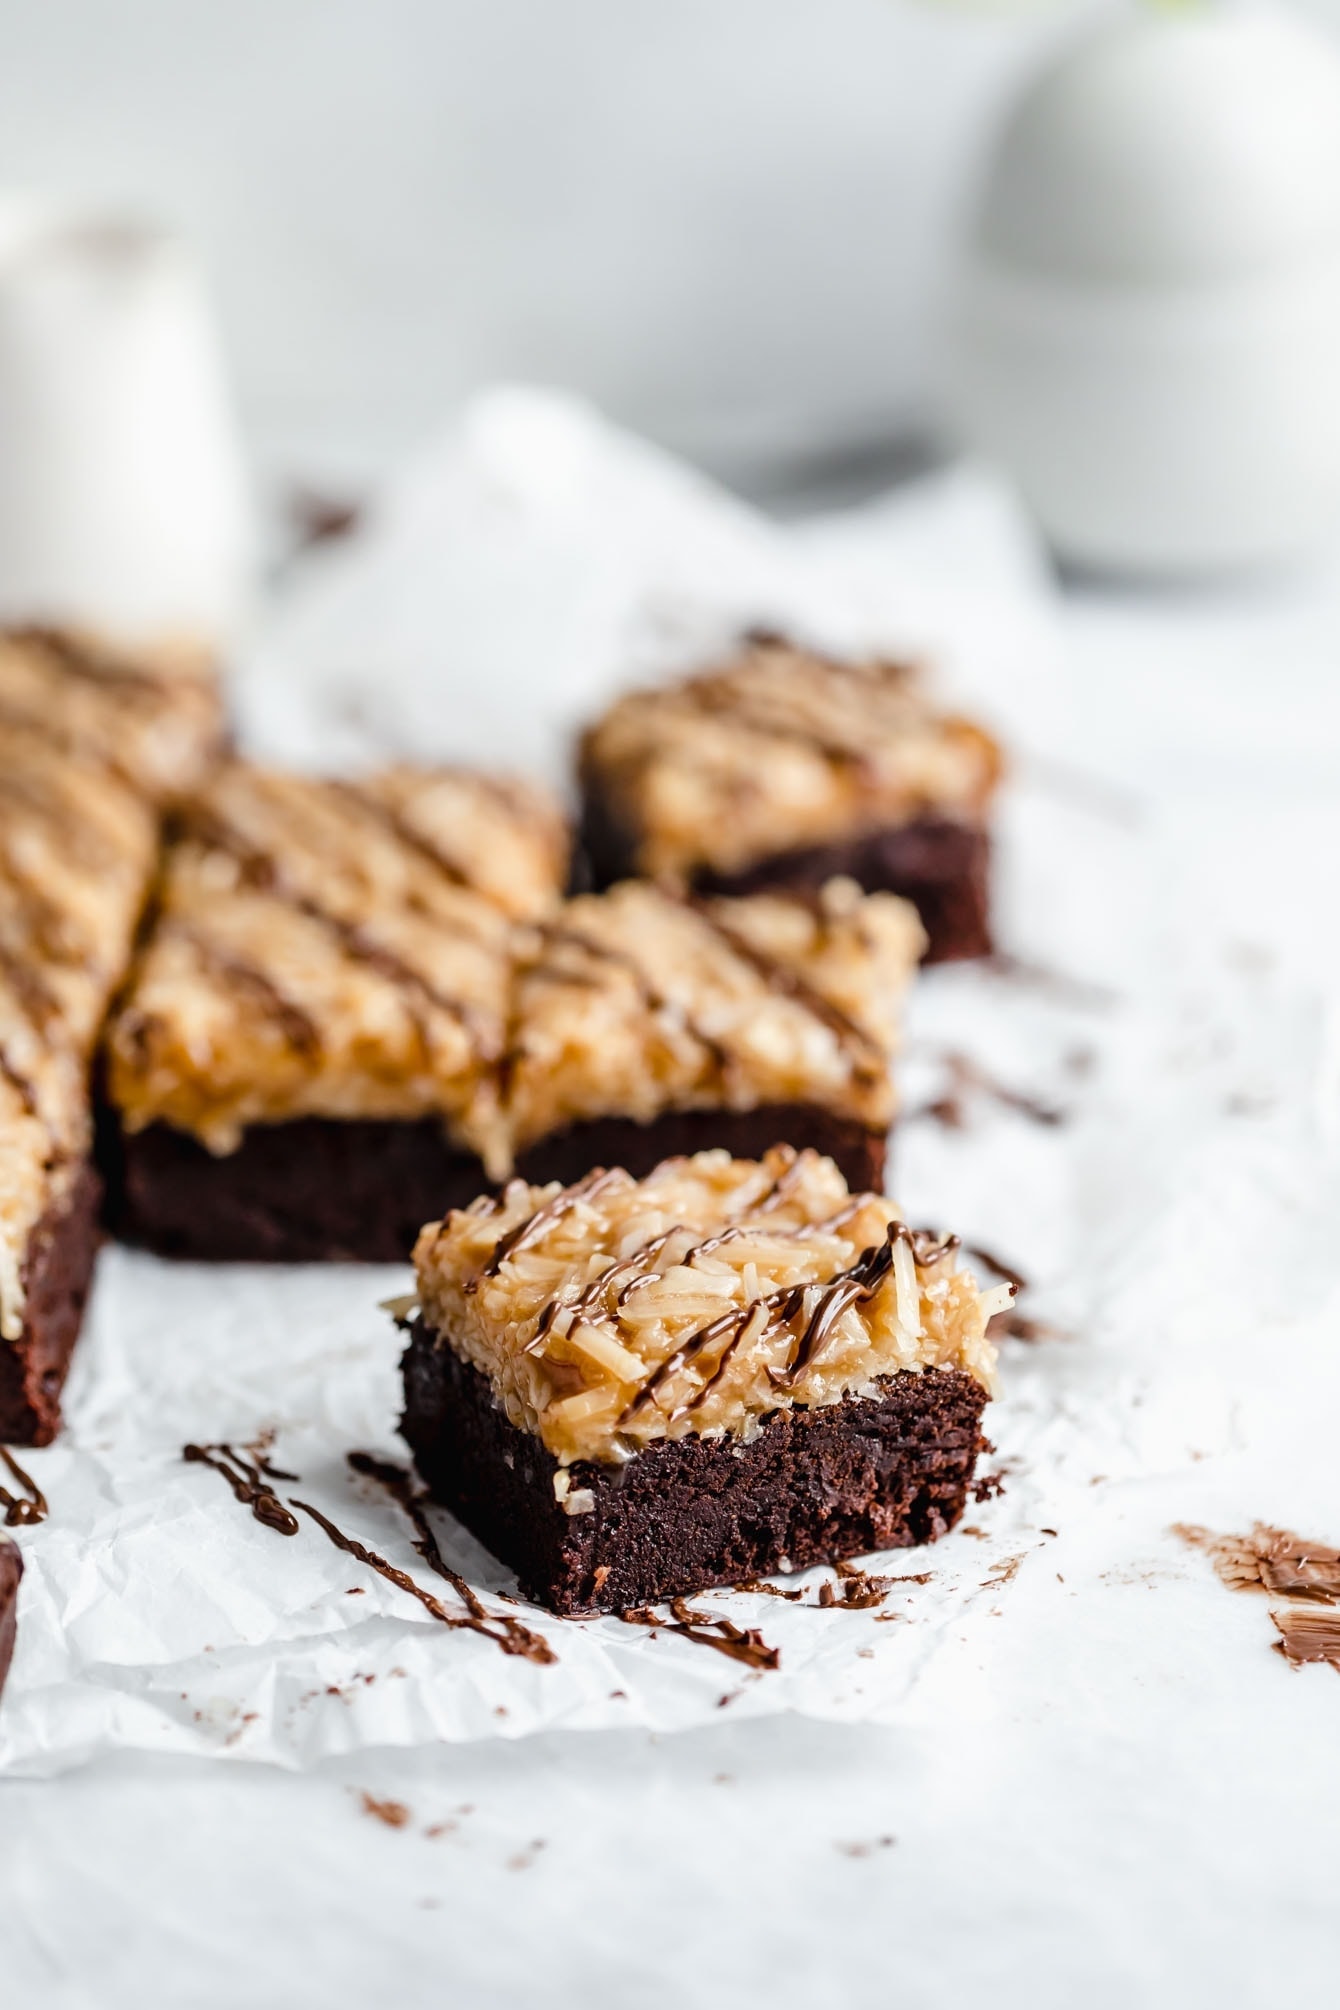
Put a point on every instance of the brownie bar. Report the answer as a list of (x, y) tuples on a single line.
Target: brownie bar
[(943, 867), (813, 1486), (94, 744), (630, 1390), (11, 1571), (782, 768), (57, 1273), (257, 1096)]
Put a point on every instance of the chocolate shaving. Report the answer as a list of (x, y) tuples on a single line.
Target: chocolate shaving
[(1275, 1561), (248, 1479), (707, 1629), (21, 1512), (1308, 1633), (505, 1632)]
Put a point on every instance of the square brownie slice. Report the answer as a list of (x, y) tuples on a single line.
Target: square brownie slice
[(78, 843), (782, 767), (11, 1572), (305, 1066), (648, 1024), (632, 1389)]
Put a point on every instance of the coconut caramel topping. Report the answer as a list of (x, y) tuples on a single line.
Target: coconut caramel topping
[(334, 949), (93, 742), (636, 1001), (153, 715), (778, 749), (698, 1300)]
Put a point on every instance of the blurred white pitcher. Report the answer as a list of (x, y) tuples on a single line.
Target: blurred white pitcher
[(122, 497)]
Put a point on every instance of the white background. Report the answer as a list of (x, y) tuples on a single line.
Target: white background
[(725, 219)]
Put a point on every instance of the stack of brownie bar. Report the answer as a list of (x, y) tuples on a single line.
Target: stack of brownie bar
[(93, 745)]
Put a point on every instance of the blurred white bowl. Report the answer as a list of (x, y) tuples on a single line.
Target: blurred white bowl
[(122, 498), (1147, 332)]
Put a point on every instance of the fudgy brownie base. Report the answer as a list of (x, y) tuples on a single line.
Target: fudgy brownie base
[(11, 1570), (746, 1134), (316, 1190), (813, 1486), (322, 1190), (57, 1273), (941, 866)]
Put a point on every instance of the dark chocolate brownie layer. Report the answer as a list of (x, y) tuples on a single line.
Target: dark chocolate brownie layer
[(812, 1486), (314, 1190), (941, 866), (618, 1141), (321, 1190), (11, 1570), (57, 1272)]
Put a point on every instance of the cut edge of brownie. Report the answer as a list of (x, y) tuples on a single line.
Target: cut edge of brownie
[(811, 1486), (309, 1190), (941, 864), (358, 1190), (11, 1571), (57, 1275)]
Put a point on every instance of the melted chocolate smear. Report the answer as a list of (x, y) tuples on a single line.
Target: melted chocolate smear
[(249, 1480), (707, 1629), (24, 1511), (535, 1225), (505, 1632)]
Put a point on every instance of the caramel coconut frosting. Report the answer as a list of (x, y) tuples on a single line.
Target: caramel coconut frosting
[(700, 1300), (637, 1001), (780, 748), (335, 949), (94, 740)]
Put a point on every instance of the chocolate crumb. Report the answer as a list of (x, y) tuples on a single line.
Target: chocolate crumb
[(394, 1813), (988, 1488), (864, 1849)]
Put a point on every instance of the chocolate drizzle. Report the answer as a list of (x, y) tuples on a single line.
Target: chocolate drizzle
[(865, 1052), (263, 870), (708, 1629), (249, 1480), (535, 1225), (24, 1511), (505, 1632)]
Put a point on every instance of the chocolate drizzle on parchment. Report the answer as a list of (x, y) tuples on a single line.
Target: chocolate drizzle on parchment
[(707, 1629), (249, 1478), (505, 1632), (29, 1508)]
